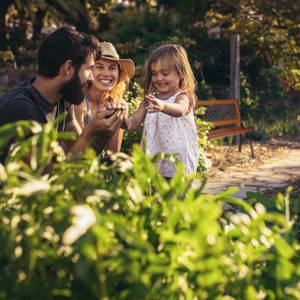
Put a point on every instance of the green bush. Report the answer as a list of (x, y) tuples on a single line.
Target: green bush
[(269, 103), (204, 90), (268, 108), (133, 97), (74, 228)]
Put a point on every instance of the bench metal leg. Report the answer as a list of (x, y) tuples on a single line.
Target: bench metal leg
[(240, 142), (251, 147), (250, 143)]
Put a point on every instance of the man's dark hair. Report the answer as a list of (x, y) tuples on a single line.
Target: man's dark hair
[(61, 45)]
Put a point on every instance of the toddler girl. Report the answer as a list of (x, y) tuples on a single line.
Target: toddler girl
[(167, 108)]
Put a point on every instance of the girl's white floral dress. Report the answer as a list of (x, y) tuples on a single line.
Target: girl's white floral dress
[(172, 135)]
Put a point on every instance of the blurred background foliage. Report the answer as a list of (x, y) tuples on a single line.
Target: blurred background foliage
[(269, 34)]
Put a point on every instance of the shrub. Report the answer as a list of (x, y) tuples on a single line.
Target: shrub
[(83, 229), (133, 97)]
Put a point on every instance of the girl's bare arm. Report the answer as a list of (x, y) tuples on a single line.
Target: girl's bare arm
[(136, 118), (178, 108)]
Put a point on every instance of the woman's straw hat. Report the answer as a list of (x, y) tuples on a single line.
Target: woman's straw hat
[(126, 65)]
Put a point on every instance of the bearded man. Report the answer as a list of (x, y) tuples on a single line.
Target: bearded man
[(65, 61)]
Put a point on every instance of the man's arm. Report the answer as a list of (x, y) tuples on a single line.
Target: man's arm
[(79, 112), (72, 122), (115, 142), (97, 133)]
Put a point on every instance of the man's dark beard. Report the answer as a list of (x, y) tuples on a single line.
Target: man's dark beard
[(72, 91)]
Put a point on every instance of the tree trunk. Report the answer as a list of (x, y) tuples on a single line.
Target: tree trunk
[(38, 24), (4, 5), (235, 92), (83, 22)]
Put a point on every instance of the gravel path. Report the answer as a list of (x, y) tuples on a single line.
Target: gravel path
[(275, 167)]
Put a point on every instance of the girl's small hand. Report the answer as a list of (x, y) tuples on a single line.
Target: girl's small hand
[(154, 104)]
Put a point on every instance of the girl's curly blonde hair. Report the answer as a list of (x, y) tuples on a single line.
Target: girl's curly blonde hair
[(172, 56)]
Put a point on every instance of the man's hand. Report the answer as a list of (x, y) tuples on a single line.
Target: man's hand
[(97, 132), (102, 125)]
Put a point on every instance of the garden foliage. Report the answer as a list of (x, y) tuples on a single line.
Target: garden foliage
[(269, 44), (72, 227)]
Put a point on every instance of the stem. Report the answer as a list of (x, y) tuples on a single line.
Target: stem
[(287, 209)]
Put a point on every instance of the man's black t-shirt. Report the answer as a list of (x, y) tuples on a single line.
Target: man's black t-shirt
[(26, 103)]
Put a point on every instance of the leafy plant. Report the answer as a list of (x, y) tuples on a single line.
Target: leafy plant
[(133, 98), (72, 227)]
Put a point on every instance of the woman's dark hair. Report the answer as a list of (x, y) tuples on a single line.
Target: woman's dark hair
[(65, 44)]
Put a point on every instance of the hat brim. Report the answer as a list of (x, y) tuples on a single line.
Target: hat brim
[(126, 65)]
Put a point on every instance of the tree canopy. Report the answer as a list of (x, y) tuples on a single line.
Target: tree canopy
[(269, 30)]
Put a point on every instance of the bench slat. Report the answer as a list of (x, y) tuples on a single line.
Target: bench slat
[(214, 102), (223, 132), (220, 115), (225, 122)]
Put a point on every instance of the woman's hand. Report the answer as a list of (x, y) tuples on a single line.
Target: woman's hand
[(121, 107), (154, 104), (104, 122)]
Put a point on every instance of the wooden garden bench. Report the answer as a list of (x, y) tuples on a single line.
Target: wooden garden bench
[(225, 117)]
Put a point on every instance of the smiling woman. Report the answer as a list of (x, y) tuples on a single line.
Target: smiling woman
[(110, 75), (106, 74)]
